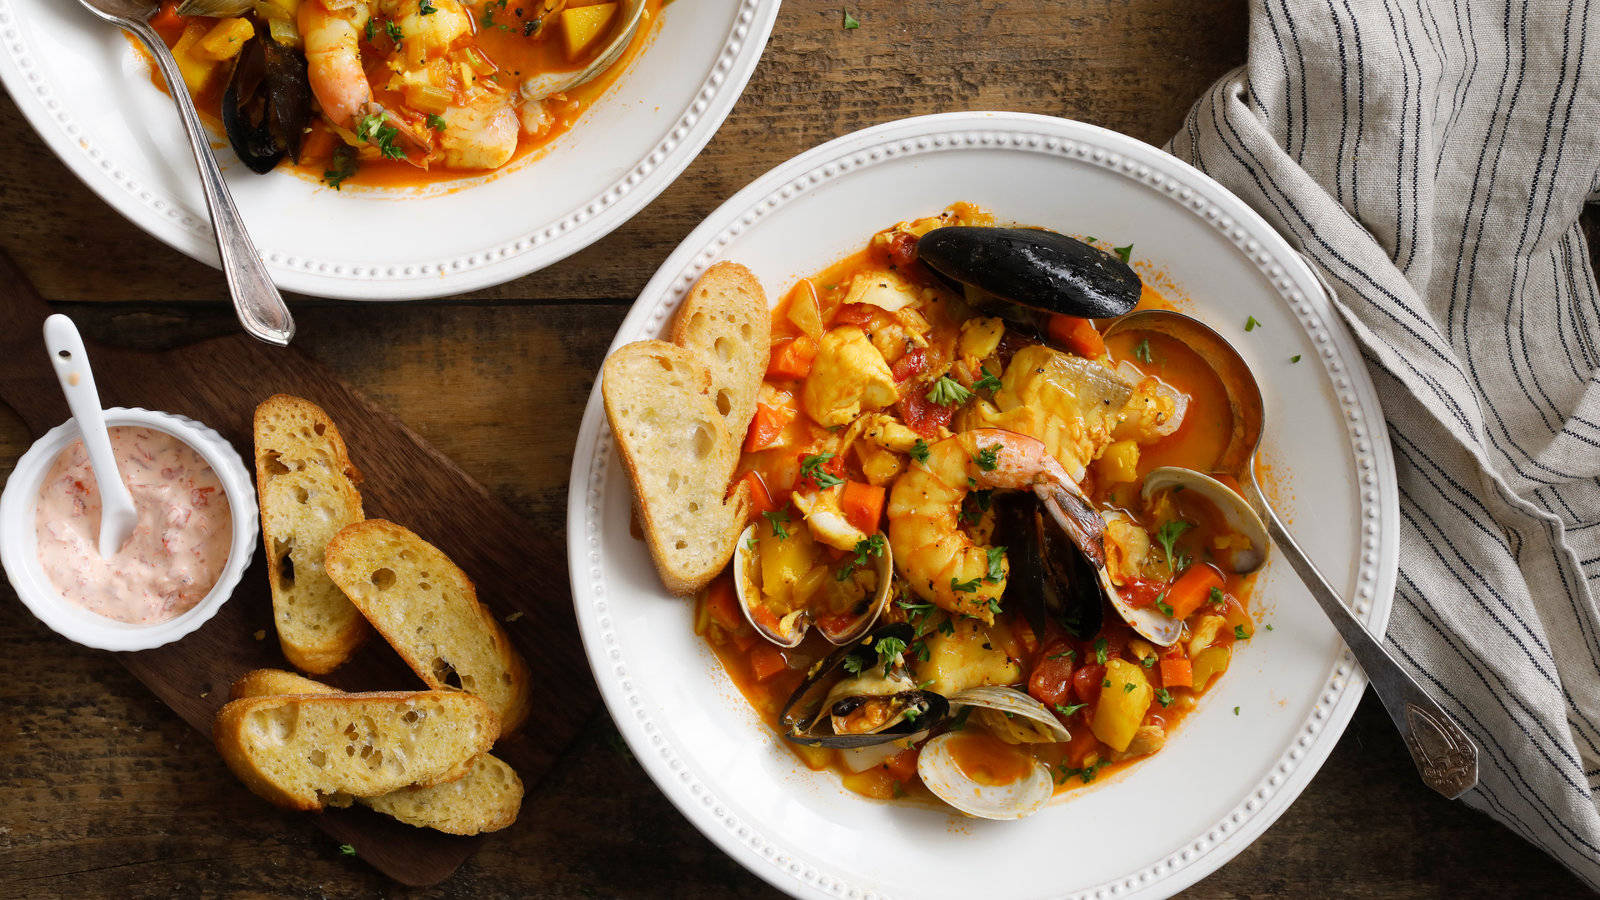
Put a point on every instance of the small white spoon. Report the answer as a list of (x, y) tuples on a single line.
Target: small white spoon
[(117, 513)]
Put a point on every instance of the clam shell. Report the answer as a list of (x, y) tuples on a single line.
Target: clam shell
[(937, 768), (1236, 511), (793, 627), (1013, 705)]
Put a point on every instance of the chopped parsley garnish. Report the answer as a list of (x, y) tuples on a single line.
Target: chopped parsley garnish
[(1100, 650), (776, 518), (1069, 710), (947, 627), (1148, 662), (911, 713), (1106, 683), (811, 467), (898, 790), (920, 651), (851, 22), (987, 383), (994, 606), (919, 451), (1295, 358), (1124, 252), (1216, 597), (372, 129), (1236, 710), (1163, 696), (890, 647), (988, 460), (1250, 324), (853, 664), (1127, 687), (1167, 535), (395, 34), (948, 392), (1069, 653), (372, 29), (872, 546), (426, 7), (436, 122), (347, 850), (1143, 350), (1269, 626), (1238, 633), (1163, 605), (342, 166), (997, 558), (964, 587)]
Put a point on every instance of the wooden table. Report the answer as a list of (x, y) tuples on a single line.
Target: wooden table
[(103, 790)]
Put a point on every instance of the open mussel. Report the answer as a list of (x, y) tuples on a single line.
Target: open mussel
[(874, 579), (861, 696), (1040, 270), (267, 104), (1051, 578)]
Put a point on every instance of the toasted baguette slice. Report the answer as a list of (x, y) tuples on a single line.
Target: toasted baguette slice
[(429, 612), (725, 319), (296, 751), (487, 798), (307, 489), (680, 457)]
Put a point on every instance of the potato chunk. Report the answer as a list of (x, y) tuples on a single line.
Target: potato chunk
[(1123, 701)]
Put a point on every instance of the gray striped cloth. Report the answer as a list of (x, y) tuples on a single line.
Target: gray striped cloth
[(1432, 158)]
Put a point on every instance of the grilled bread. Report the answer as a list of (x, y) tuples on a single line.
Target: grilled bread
[(680, 457), (725, 319), (302, 750), (307, 488), (429, 612), (487, 798)]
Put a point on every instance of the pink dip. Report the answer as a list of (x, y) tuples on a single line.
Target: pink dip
[(177, 550)]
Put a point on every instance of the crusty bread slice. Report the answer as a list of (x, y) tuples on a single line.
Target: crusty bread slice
[(428, 610), (307, 488), (487, 798), (297, 751), (725, 319), (680, 457)]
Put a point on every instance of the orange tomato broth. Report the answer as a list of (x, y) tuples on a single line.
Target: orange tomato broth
[(1196, 444), (519, 56)]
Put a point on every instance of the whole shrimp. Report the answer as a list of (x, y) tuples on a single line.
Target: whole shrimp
[(333, 59)]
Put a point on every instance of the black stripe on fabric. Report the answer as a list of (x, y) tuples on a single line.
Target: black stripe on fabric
[(1468, 74), (1361, 112), (1305, 104), (1283, 54), (1404, 256), (1563, 301), (1344, 105)]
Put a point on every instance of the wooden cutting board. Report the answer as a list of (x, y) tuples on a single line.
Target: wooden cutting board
[(521, 573)]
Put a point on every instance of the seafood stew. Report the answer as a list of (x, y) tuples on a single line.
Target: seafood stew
[(395, 92), (976, 570)]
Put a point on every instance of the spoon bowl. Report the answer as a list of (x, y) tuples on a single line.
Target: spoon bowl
[(1446, 758), (541, 86)]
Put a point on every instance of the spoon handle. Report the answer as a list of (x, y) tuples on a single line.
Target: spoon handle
[(71, 362), (1444, 755), (261, 309)]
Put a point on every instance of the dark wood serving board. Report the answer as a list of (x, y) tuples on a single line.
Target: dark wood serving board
[(516, 568)]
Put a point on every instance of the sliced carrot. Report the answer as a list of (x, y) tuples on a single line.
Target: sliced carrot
[(760, 498), (1177, 673), (724, 604), (768, 423), (767, 661), (862, 505), (1192, 589), (1077, 335), (167, 19), (792, 358)]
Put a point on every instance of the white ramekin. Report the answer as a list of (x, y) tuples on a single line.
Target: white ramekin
[(19, 540)]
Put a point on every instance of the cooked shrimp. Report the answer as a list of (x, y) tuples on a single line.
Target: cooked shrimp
[(333, 59), (942, 563)]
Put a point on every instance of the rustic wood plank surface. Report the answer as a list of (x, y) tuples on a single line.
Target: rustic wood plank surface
[(103, 789)]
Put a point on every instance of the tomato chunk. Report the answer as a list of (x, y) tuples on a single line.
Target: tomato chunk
[(1086, 682), (1051, 681), (791, 358), (766, 425)]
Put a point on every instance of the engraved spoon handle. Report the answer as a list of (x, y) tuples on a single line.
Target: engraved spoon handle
[(1444, 755)]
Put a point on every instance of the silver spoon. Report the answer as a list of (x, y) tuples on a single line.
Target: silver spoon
[(118, 516), (256, 299), (1444, 755), (541, 86)]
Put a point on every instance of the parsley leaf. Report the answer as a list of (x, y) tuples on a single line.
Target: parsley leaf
[(1295, 358), (1238, 633), (853, 664), (890, 647), (988, 460), (987, 383), (1164, 696), (1250, 324), (1216, 597), (426, 7), (948, 392), (372, 129), (872, 546), (1100, 650), (1127, 687), (964, 587), (395, 34), (437, 123), (776, 517), (1143, 350), (1163, 605), (342, 166), (1069, 653), (1235, 710), (1167, 535), (997, 556), (919, 451), (347, 850), (851, 22), (1069, 710), (1148, 662), (1124, 252), (811, 467)]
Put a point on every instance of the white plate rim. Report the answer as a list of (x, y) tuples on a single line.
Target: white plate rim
[(1295, 284), (164, 217)]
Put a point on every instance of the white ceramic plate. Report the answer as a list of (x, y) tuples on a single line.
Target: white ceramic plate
[(1223, 777), (89, 95)]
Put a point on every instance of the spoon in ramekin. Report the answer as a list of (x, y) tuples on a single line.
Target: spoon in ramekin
[(117, 513), (1444, 755)]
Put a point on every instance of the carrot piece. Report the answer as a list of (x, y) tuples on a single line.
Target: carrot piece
[(862, 505), (792, 358), (724, 604), (167, 19), (1192, 589), (760, 497), (767, 661), (1077, 335), (768, 423), (902, 765), (1177, 673)]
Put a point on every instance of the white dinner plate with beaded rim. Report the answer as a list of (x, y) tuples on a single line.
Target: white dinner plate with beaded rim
[(89, 95), (1257, 737)]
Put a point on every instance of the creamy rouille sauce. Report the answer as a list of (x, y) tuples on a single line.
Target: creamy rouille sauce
[(177, 550)]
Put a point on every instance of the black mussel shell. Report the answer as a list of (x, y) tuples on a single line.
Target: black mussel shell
[(1050, 575), (804, 704), (1035, 268), (267, 105), (932, 709)]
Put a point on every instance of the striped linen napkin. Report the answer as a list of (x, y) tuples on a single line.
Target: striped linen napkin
[(1432, 158)]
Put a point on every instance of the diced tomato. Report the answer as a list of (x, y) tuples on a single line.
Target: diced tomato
[(902, 765), (1052, 676), (760, 498), (1141, 593), (902, 250), (834, 466), (791, 358), (1077, 335), (766, 618), (1177, 673), (922, 416), (723, 603), (832, 623), (854, 314), (862, 505), (910, 364), (767, 661), (766, 425), (1192, 589), (167, 19), (1086, 682)]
